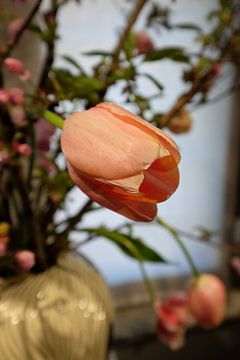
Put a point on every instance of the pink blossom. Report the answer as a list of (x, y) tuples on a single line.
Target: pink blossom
[(16, 96), (13, 28), (25, 260), (4, 96), (17, 67), (18, 116), (143, 42), (23, 149), (44, 131), (174, 318), (207, 300)]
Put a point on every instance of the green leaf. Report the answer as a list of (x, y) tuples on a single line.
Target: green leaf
[(154, 80), (172, 53), (98, 53), (131, 246), (187, 26), (73, 62)]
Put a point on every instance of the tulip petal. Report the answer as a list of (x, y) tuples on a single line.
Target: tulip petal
[(135, 120), (103, 195), (159, 184), (121, 149)]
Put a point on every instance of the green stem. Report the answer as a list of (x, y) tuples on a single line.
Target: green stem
[(53, 118), (180, 243), (148, 284)]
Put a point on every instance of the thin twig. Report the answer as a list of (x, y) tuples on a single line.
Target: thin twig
[(133, 17)]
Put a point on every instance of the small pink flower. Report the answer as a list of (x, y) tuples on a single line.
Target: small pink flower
[(18, 116), (16, 96), (207, 300), (25, 260), (143, 42), (4, 96), (23, 149), (17, 67), (174, 318), (13, 28)]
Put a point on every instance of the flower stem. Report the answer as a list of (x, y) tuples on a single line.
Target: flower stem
[(180, 243), (53, 119)]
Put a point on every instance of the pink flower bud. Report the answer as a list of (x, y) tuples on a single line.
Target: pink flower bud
[(17, 67), (143, 42), (25, 260), (16, 96), (13, 28), (120, 161), (4, 96), (207, 300), (23, 149)]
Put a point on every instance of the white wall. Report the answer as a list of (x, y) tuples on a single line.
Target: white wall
[(199, 199)]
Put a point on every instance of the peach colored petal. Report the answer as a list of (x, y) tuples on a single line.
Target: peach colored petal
[(121, 150), (103, 195), (159, 184), (135, 120), (130, 184)]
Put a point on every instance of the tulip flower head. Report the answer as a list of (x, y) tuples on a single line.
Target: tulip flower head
[(207, 300), (173, 319), (120, 161)]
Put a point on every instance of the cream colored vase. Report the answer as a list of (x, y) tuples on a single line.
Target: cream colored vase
[(64, 313)]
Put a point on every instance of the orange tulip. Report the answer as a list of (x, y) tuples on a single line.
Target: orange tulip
[(120, 161)]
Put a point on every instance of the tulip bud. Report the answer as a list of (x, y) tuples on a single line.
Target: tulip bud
[(207, 300), (25, 260), (120, 161)]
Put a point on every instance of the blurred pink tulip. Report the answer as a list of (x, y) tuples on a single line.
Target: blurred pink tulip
[(25, 260), (207, 300), (173, 319), (120, 161)]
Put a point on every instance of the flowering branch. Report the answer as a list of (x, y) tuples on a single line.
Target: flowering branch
[(19, 34)]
